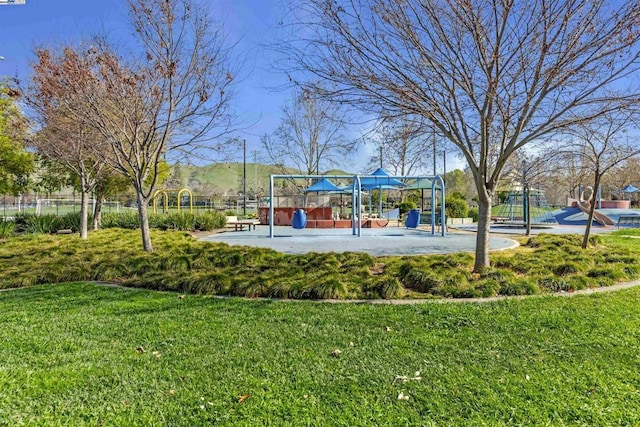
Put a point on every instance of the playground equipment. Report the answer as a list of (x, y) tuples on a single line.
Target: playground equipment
[(164, 194), (413, 219), (356, 218), (585, 206), (514, 210)]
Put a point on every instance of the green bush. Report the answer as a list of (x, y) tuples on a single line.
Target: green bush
[(181, 221), (473, 213), (406, 206), (7, 228), (72, 221), (21, 221), (43, 224), (455, 207), (210, 221), (128, 220)]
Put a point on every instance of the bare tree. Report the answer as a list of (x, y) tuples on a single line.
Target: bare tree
[(602, 145), (173, 100), (65, 136), (525, 169), (401, 146), (490, 76), (568, 170), (626, 172), (310, 136)]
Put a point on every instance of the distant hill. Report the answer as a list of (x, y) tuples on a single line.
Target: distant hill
[(223, 178), (226, 178)]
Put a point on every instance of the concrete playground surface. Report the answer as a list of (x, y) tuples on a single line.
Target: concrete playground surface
[(374, 241)]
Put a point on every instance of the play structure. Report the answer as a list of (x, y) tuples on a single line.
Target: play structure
[(325, 217), (164, 196), (606, 213), (584, 204), (514, 210)]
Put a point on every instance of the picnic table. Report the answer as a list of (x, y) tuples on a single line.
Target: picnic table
[(632, 220), (239, 224)]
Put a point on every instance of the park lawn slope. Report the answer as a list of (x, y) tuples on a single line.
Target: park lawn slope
[(542, 264), (83, 354)]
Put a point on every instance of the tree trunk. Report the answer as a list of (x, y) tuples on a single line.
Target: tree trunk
[(592, 209), (527, 209), (143, 203), (84, 211), (97, 212), (482, 261)]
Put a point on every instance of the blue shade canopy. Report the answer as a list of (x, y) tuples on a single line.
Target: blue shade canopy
[(323, 185), (422, 184), (380, 178), (630, 189), (348, 189)]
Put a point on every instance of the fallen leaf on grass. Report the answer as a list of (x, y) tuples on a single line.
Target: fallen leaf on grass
[(403, 396), (171, 392), (243, 398), (406, 379), (156, 353)]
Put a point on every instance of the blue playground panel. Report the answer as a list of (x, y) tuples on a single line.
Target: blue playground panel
[(574, 216)]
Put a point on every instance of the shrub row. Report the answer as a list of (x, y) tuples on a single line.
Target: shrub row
[(181, 221), (545, 263), (47, 224), (50, 223)]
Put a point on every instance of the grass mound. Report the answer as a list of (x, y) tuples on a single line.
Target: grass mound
[(545, 263)]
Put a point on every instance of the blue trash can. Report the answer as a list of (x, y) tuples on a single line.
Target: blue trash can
[(413, 219), (299, 219)]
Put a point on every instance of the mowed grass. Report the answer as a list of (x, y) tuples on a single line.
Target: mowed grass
[(68, 357)]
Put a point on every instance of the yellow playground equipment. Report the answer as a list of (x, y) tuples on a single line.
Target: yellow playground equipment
[(165, 198)]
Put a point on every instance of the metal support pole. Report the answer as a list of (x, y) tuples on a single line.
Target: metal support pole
[(433, 207), (359, 205), (353, 206), (271, 206), (244, 178)]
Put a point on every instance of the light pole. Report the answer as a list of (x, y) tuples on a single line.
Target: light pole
[(244, 178), (435, 155)]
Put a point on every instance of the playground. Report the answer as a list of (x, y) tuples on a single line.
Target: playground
[(609, 215), (321, 229)]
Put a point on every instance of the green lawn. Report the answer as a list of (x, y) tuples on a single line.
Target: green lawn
[(68, 357)]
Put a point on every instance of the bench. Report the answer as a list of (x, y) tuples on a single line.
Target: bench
[(233, 221), (632, 220)]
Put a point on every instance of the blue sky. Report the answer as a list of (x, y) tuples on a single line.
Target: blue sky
[(251, 24)]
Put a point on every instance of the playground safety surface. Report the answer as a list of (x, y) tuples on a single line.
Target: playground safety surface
[(377, 241)]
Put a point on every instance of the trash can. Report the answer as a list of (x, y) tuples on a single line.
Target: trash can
[(413, 219), (299, 219)]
